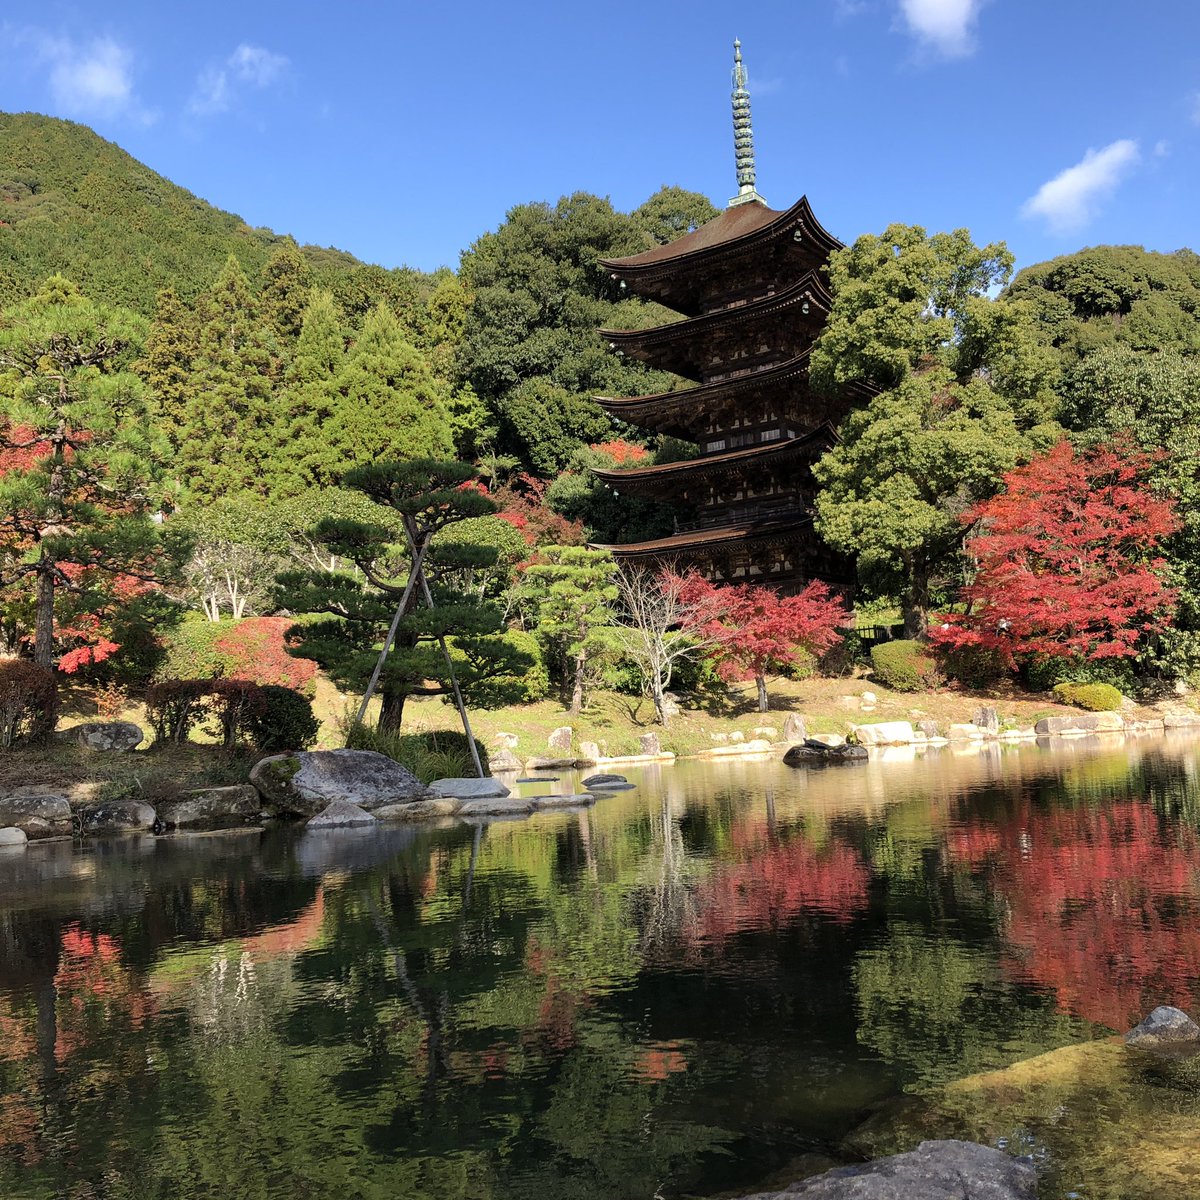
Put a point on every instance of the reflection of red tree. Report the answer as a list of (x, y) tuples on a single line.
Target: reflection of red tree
[(771, 885), (1102, 908)]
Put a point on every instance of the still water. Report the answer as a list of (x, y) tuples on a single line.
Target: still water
[(694, 988)]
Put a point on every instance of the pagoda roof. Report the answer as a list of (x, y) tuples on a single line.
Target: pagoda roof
[(677, 337), (734, 231), (666, 477), (718, 537)]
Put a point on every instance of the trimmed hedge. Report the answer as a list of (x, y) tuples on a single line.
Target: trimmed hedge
[(254, 648), (267, 716), (1095, 697), (904, 666)]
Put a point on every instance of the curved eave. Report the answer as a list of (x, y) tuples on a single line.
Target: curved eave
[(807, 287), (699, 245), (756, 381), (707, 541), (679, 473)]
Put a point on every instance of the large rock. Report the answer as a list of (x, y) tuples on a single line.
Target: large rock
[(885, 733), (811, 753), (944, 1170), (577, 800), (341, 814), (650, 744), (210, 808), (589, 752), (121, 816), (306, 781), (506, 741), (419, 810), (1180, 720), (111, 736), (1164, 1027), (928, 729), (987, 719), (965, 731), (560, 739), (468, 789), (1079, 723), (504, 760), (794, 729), (38, 811), (11, 836)]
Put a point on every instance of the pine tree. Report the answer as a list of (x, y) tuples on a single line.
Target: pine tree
[(228, 433)]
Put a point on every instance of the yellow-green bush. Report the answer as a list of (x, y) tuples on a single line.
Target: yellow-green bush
[(1095, 697), (904, 666)]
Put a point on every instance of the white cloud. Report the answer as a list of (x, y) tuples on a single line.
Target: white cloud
[(1162, 148), (946, 25), (1069, 199), (92, 79), (217, 86)]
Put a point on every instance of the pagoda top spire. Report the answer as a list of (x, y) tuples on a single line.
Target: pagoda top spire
[(743, 135)]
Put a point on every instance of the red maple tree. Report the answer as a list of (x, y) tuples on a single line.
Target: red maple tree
[(754, 632), (1067, 560)]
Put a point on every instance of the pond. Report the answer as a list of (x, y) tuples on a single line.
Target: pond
[(692, 989)]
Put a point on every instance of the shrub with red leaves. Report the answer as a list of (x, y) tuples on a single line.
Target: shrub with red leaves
[(28, 703)]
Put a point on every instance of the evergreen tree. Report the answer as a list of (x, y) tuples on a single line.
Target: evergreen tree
[(76, 456), (416, 500), (286, 283), (228, 434), (167, 363)]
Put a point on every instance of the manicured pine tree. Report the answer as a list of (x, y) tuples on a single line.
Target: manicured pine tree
[(228, 440), (76, 455)]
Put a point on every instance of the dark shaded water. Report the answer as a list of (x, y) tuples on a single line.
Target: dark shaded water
[(682, 991)]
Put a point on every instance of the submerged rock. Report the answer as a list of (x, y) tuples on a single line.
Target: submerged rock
[(603, 779), (943, 1170), (11, 836), (468, 789), (37, 811), (109, 736), (578, 800), (306, 781), (210, 808), (811, 753), (124, 816), (419, 810), (341, 814), (1165, 1026)]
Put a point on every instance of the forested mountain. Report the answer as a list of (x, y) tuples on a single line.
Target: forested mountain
[(74, 203)]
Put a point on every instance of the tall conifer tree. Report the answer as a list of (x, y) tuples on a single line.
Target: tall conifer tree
[(167, 363)]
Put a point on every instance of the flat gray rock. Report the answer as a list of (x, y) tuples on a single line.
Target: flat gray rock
[(11, 836), (124, 816), (504, 760), (418, 810), (306, 781), (341, 814), (539, 779), (499, 806), (603, 779), (610, 787), (947, 1170), (468, 789), (580, 800), (1165, 1026), (548, 764), (39, 812)]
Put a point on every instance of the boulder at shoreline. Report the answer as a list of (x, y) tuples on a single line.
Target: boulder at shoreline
[(306, 781)]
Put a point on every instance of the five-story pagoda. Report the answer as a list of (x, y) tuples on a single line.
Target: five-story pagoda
[(750, 287)]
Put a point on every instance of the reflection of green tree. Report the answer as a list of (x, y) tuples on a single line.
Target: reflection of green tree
[(938, 1008)]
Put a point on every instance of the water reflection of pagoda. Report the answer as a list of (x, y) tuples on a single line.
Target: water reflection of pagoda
[(750, 286)]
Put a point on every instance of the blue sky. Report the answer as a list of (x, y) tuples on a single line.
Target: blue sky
[(400, 132)]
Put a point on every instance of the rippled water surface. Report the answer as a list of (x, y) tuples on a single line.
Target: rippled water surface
[(692, 988)]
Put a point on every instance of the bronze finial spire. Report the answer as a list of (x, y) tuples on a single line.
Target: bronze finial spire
[(743, 135)]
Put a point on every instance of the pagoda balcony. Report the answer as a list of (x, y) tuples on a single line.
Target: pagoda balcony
[(776, 509)]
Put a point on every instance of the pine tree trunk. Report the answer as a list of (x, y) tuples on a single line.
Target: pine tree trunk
[(761, 683), (43, 624), (577, 691), (391, 710)]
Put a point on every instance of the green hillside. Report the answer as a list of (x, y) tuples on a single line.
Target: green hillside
[(72, 202)]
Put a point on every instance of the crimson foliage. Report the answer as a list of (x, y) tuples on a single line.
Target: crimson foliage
[(1067, 560)]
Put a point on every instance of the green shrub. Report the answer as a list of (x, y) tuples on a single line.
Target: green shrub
[(532, 684), (254, 648), (1095, 697), (904, 666), (283, 720), (1043, 672), (973, 666), (28, 703)]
